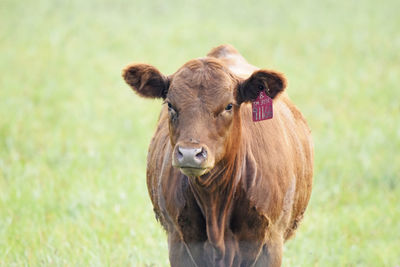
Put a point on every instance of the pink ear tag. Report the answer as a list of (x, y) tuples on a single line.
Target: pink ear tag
[(262, 107)]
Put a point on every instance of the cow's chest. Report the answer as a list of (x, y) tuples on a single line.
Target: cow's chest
[(240, 235)]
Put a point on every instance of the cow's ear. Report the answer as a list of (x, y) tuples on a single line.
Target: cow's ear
[(146, 80), (271, 82)]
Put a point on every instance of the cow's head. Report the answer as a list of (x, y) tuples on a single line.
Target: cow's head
[(203, 100)]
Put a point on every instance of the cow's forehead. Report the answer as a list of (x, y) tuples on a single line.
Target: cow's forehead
[(204, 78), (203, 74)]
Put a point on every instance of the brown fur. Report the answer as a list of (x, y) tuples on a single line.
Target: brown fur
[(259, 177)]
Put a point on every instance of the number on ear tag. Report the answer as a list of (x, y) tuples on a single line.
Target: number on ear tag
[(262, 107)]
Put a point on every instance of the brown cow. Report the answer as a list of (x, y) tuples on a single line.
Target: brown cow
[(228, 191)]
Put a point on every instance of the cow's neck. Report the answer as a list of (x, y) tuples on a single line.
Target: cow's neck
[(214, 193)]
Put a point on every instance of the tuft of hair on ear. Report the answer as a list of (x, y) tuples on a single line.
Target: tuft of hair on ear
[(146, 80), (269, 81)]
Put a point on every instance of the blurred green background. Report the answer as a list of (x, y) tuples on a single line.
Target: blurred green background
[(74, 138)]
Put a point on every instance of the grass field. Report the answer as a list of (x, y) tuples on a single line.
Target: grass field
[(73, 137)]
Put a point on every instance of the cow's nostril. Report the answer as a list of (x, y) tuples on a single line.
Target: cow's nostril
[(202, 154), (179, 154)]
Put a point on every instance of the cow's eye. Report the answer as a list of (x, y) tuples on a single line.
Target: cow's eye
[(229, 107), (171, 111), (170, 107)]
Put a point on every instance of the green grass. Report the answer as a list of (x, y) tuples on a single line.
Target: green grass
[(73, 137)]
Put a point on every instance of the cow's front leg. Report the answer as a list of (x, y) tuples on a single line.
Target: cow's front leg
[(271, 253), (184, 254)]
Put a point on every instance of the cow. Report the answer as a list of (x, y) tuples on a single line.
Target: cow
[(227, 190)]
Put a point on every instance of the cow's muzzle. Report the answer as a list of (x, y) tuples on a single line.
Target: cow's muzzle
[(191, 160)]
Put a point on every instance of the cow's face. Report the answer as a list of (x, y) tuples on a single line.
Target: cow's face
[(203, 99)]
